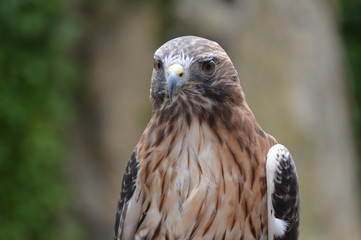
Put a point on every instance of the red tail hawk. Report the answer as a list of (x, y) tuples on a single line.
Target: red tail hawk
[(204, 168)]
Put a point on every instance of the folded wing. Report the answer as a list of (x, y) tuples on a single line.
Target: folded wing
[(129, 203), (283, 194)]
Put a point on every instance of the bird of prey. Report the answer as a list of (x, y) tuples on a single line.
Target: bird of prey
[(204, 168)]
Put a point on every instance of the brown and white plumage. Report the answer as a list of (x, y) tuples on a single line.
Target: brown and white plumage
[(199, 170)]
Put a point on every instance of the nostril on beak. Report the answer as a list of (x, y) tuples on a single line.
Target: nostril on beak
[(174, 79), (174, 82), (177, 69)]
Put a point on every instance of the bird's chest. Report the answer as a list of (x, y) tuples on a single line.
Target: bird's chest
[(196, 186)]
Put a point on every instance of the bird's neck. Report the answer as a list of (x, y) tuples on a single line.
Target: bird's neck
[(223, 120)]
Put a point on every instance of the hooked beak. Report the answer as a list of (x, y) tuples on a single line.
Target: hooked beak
[(174, 79)]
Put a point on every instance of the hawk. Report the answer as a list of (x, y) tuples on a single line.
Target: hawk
[(204, 168)]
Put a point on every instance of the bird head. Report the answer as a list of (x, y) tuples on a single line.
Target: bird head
[(190, 70)]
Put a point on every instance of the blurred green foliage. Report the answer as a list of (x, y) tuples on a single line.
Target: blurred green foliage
[(37, 84), (351, 31)]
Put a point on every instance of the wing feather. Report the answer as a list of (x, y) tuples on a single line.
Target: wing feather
[(283, 195), (128, 209)]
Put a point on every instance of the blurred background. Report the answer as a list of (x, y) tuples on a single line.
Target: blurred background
[(74, 86)]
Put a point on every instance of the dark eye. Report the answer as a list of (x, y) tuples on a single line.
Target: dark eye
[(208, 67), (158, 64)]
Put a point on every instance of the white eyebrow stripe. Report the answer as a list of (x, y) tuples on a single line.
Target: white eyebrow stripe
[(181, 59)]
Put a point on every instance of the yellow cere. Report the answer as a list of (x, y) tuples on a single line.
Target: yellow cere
[(177, 68)]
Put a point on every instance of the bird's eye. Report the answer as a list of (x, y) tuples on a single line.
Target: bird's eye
[(208, 67), (158, 65)]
